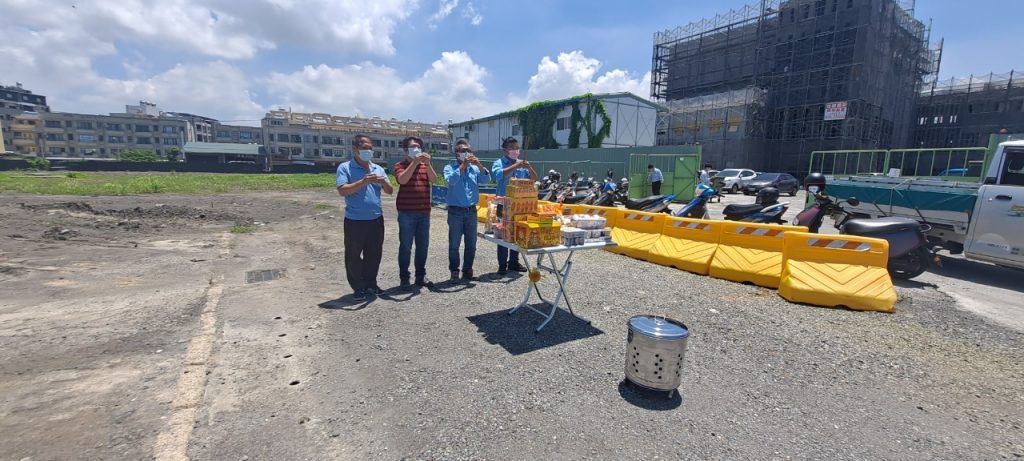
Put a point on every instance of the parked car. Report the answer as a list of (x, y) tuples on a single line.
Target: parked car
[(732, 179), (784, 182)]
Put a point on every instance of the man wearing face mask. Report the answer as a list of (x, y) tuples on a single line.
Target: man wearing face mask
[(463, 177), (414, 174), (507, 167), (360, 181)]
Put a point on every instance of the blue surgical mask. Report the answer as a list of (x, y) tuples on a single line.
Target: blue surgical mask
[(414, 151), (366, 155)]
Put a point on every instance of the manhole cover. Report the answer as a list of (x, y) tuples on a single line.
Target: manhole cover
[(263, 275)]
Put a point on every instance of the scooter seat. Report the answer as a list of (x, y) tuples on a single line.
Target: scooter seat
[(879, 226), (742, 210), (639, 203)]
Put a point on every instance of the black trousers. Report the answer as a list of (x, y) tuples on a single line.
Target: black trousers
[(656, 188), (364, 244)]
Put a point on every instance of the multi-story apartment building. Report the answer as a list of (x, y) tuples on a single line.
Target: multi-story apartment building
[(237, 134), (325, 138), (84, 136), (24, 131), (14, 101)]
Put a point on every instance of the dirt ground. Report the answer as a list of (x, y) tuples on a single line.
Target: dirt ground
[(140, 327)]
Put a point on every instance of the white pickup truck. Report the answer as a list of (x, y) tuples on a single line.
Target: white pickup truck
[(984, 221)]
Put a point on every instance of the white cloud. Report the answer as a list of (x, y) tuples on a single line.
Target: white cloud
[(472, 15), (443, 10), (573, 74), (452, 88), (221, 28)]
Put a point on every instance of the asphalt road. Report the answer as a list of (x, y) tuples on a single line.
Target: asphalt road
[(990, 291), (154, 332)]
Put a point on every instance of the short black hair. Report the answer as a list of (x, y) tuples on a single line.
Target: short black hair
[(649, 166), (461, 142), (356, 139), (405, 142), (707, 165), (508, 141)]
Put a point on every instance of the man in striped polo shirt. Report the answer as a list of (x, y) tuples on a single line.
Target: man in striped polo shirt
[(415, 174)]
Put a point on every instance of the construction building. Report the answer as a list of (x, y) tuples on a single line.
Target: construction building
[(763, 86), (963, 112), (296, 137)]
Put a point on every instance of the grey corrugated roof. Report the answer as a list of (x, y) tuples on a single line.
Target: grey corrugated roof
[(222, 148), (566, 100)]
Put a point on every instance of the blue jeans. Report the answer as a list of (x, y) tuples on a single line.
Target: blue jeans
[(461, 226), (413, 227)]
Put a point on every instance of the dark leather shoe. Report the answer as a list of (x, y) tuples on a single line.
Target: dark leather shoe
[(423, 282), (467, 275)]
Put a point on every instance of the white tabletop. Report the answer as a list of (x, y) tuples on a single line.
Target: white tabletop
[(545, 250)]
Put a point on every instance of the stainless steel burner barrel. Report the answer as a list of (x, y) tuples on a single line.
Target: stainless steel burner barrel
[(655, 348)]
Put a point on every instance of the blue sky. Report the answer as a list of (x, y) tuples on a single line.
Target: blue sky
[(429, 60)]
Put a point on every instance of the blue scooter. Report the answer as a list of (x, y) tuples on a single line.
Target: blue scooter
[(697, 208)]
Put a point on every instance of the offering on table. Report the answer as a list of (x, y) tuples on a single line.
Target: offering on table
[(536, 235)]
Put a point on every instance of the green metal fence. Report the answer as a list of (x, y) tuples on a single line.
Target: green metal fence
[(597, 163), (959, 164)]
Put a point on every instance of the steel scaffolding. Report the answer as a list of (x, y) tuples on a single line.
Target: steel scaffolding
[(752, 84)]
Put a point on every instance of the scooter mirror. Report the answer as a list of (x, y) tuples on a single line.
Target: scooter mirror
[(853, 201)]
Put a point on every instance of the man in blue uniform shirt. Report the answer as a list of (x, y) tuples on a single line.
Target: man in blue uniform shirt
[(507, 167), (361, 181), (463, 176)]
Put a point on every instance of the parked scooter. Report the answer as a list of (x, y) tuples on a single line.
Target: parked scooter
[(910, 254), (697, 208), (651, 204), (766, 209), (548, 186)]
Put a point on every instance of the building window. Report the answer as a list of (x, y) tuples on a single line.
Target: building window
[(270, 136), (296, 138), (169, 130), (245, 135), (170, 141), (222, 133), (515, 130), (90, 151), (69, 124), (141, 128), (86, 138), (144, 141), (84, 125), (114, 126), (276, 123), (376, 143), (54, 124), (562, 124), (56, 150), (54, 137), (115, 139)]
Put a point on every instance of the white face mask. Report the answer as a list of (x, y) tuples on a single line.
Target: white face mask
[(812, 189), (366, 155), (414, 151), (461, 155)]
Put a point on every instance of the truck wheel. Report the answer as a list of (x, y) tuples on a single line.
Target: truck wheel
[(910, 265)]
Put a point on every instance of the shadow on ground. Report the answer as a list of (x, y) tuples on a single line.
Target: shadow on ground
[(516, 333), (649, 399), (347, 303)]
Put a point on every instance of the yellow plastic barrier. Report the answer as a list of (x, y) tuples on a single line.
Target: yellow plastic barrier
[(635, 232), (749, 252), (687, 244), (837, 270), (609, 213)]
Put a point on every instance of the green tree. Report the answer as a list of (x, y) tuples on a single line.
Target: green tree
[(174, 154), (138, 155)]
